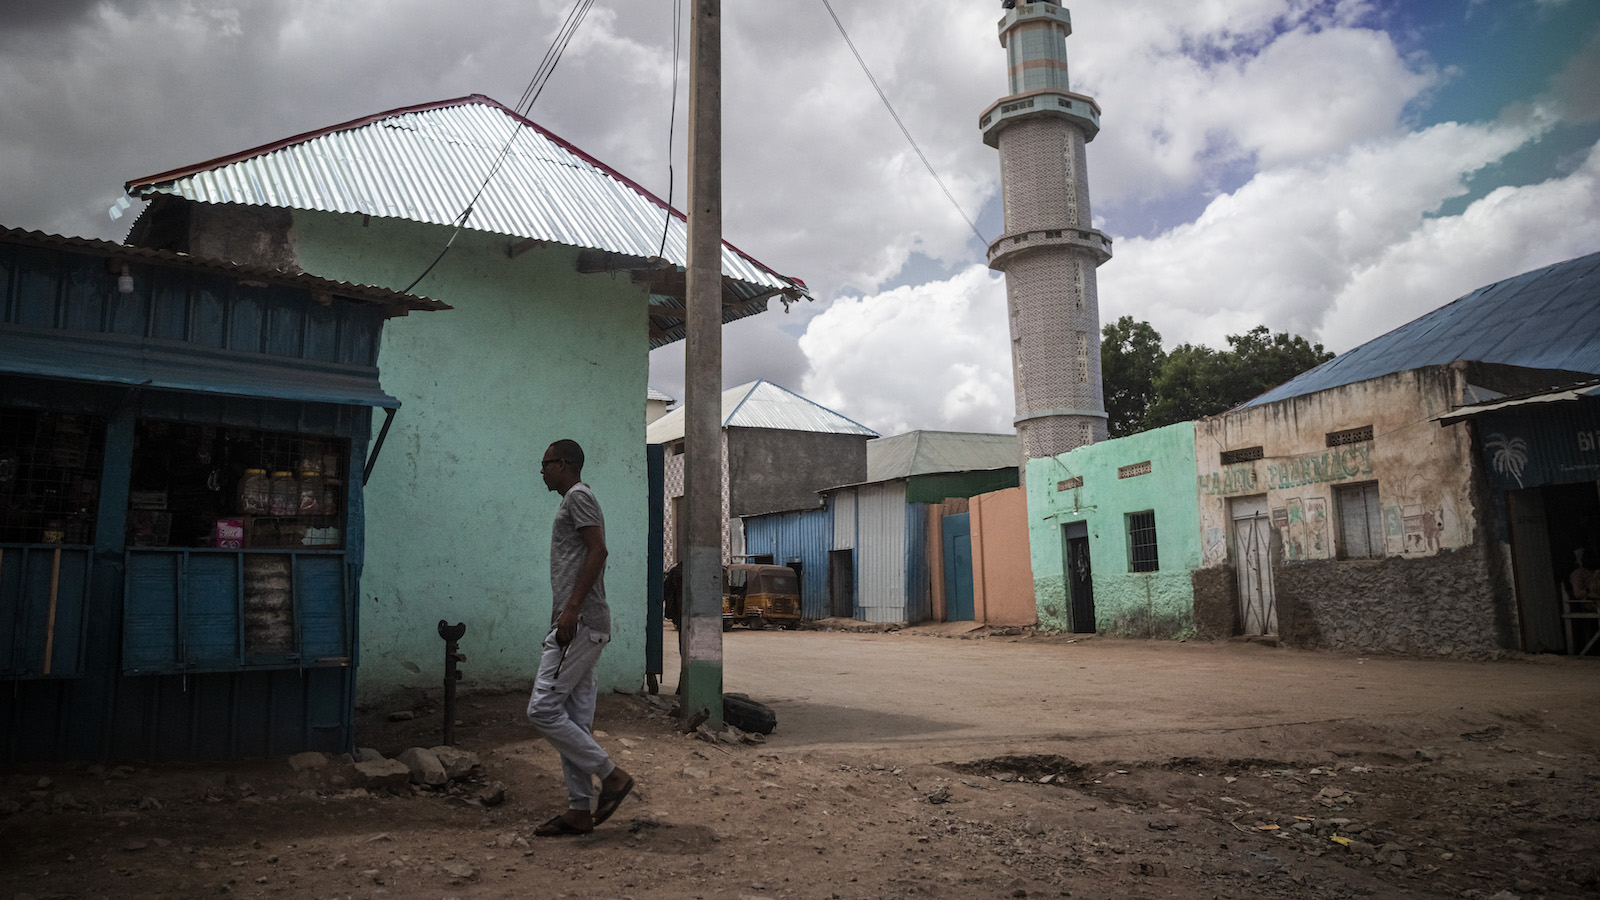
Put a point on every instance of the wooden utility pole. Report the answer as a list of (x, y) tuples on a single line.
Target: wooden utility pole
[(701, 641)]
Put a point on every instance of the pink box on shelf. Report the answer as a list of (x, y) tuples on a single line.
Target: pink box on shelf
[(228, 534)]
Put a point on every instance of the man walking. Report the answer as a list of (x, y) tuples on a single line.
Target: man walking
[(562, 705)]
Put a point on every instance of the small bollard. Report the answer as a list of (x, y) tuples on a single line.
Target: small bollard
[(451, 634)]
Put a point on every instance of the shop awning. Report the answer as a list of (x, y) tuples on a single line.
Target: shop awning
[(1589, 390), (178, 366)]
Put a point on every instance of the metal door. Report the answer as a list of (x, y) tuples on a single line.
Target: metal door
[(842, 584), (1080, 576), (956, 531), (1252, 554)]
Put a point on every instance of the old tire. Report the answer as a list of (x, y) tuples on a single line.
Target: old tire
[(745, 714)]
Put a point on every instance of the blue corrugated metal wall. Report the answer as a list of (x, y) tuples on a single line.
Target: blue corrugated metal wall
[(87, 707), (806, 535)]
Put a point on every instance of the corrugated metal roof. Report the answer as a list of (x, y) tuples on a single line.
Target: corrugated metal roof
[(358, 293), (1587, 390), (425, 163), (762, 404), (653, 394), (1545, 319), (936, 452)]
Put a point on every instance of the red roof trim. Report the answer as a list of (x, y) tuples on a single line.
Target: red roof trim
[(132, 187)]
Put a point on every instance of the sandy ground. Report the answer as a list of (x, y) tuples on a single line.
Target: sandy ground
[(926, 763)]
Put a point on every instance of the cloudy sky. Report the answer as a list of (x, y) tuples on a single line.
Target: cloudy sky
[(1327, 167)]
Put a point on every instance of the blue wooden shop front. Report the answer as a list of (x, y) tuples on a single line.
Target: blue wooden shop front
[(182, 446)]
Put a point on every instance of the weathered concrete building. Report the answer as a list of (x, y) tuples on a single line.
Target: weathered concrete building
[(778, 451), (906, 538), (558, 298), (1353, 507), (1340, 510), (1115, 532)]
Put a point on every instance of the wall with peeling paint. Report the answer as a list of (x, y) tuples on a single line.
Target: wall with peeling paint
[(1098, 485), (1427, 585), (1419, 467), (458, 516)]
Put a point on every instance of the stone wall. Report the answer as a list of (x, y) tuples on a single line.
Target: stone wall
[(1442, 605), (1216, 603)]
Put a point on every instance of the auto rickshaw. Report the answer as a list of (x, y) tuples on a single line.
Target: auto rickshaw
[(758, 595)]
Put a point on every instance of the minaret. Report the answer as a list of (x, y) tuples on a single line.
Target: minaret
[(1049, 250)]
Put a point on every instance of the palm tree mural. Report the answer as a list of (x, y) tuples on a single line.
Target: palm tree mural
[(1510, 455)]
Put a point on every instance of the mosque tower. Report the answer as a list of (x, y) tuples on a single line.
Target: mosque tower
[(1049, 250)]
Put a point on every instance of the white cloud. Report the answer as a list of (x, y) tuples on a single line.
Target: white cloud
[(1190, 94), (930, 356), (1510, 231), (1276, 250), (1285, 120)]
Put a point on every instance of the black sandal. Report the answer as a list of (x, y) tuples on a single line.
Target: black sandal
[(559, 827)]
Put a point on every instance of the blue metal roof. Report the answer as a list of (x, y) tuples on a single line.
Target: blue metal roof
[(1545, 319)]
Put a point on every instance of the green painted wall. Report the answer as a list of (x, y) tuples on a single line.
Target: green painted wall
[(1156, 604), (458, 519)]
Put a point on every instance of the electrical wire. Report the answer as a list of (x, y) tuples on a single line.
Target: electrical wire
[(903, 130), (672, 119), (523, 109)]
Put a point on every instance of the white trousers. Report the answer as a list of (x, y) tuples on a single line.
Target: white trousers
[(562, 710)]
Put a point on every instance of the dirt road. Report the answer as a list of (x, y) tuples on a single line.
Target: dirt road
[(910, 764), (1133, 700)]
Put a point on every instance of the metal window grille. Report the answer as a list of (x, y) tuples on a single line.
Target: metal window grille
[(1245, 454), (1350, 436), (210, 486), (1360, 521), (49, 476), (1142, 542), (1134, 470)]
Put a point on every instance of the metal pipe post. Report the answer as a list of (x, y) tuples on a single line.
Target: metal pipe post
[(451, 634), (702, 483)]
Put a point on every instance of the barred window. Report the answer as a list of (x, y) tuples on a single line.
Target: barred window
[(1135, 470), (1349, 436), (1142, 556), (1360, 520), (1243, 454)]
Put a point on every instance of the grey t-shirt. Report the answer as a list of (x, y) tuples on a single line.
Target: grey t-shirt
[(579, 509)]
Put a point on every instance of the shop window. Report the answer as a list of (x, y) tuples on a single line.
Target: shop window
[(1142, 556), (1360, 520), (233, 551), (235, 488), (49, 476), (50, 466)]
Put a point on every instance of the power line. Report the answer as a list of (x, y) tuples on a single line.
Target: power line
[(672, 119), (903, 130), (524, 108)]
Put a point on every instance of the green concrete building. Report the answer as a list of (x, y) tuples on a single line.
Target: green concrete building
[(562, 275), (1114, 531)]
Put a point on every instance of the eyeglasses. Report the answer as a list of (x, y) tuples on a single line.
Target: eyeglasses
[(545, 463)]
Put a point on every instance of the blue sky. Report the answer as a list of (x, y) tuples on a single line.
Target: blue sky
[(1327, 167)]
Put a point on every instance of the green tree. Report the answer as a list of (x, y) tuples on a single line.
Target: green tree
[(1199, 381), (1130, 359), (1146, 389)]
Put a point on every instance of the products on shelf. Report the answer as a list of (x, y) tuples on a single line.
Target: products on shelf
[(255, 493), (285, 496)]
